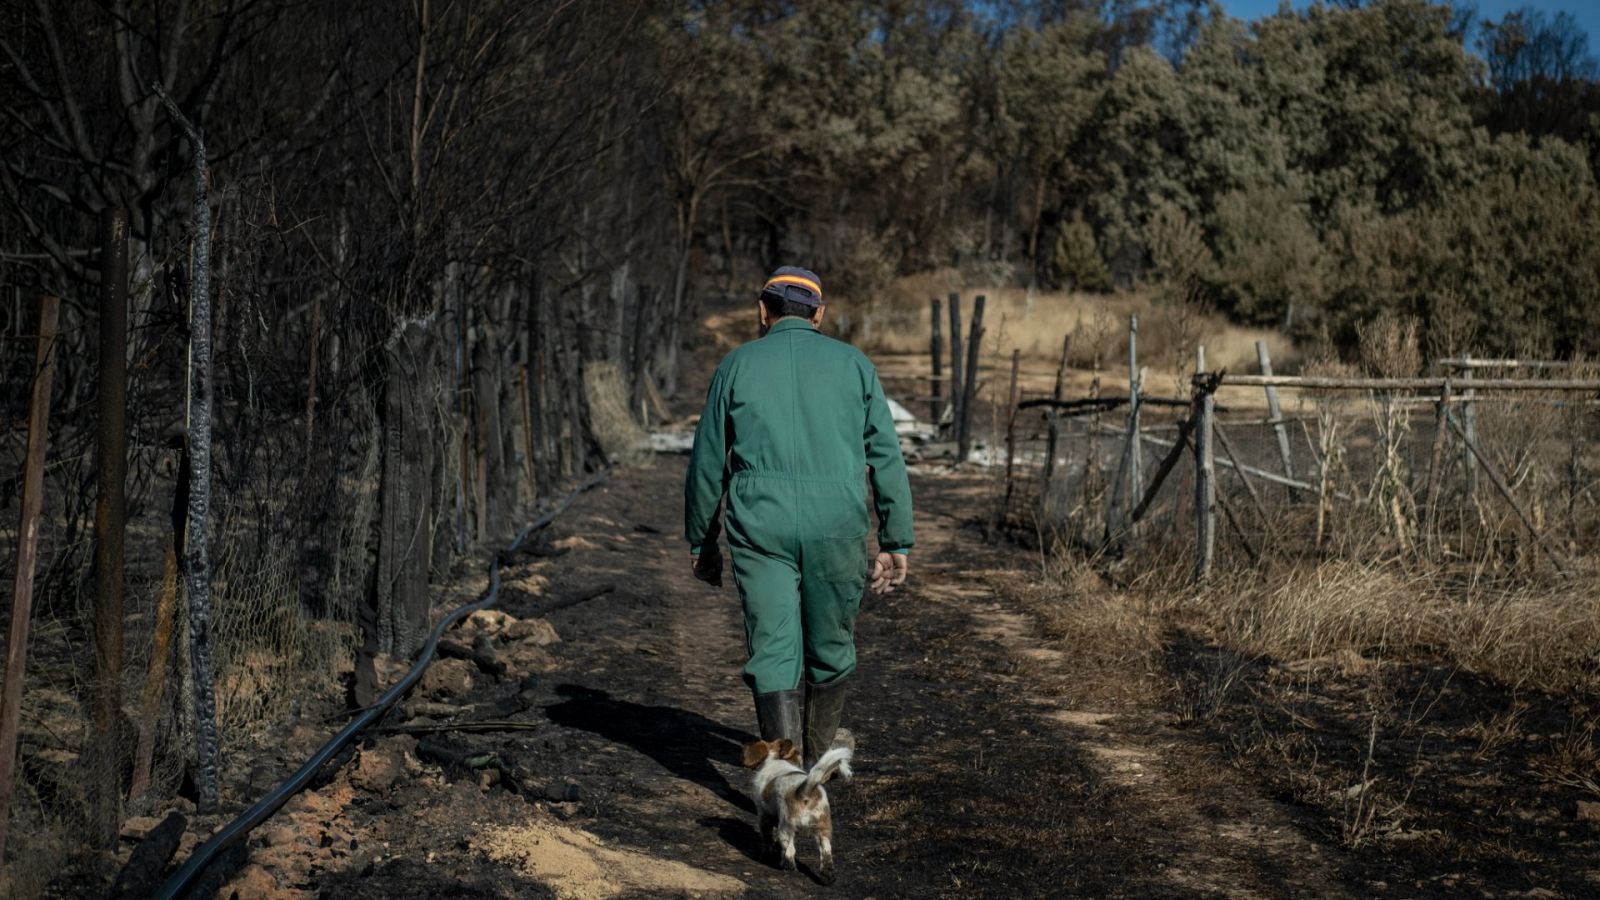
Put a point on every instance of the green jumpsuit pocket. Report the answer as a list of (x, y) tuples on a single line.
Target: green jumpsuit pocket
[(844, 560)]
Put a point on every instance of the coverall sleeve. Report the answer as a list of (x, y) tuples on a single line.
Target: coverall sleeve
[(702, 488), (891, 488)]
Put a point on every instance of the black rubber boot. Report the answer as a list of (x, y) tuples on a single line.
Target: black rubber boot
[(778, 715), (824, 704)]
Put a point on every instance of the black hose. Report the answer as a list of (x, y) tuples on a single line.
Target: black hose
[(275, 799)]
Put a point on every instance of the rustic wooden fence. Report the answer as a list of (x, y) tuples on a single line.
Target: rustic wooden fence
[(1430, 468), (1485, 459)]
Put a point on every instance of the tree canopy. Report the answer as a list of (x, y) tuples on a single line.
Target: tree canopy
[(1322, 165)]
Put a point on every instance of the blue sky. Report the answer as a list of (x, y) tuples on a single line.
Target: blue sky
[(1587, 12)]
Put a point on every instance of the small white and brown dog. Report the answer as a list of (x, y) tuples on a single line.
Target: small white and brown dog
[(789, 798)]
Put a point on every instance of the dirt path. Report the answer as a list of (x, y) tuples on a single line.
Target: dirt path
[(974, 779)]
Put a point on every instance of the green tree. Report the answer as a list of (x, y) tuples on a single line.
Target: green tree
[(1076, 262), (1049, 84), (1270, 262)]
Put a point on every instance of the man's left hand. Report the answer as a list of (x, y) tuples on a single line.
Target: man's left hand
[(708, 566)]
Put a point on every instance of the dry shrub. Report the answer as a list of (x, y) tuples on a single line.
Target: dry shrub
[(1389, 346), (620, 435)]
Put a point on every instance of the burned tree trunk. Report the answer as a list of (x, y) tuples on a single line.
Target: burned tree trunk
[(585, 446), (27, 555), (572, 374), (487, 422), (400, 596), (509, 487), (110, 523), (555, 400), (538, 390), (197, 545), (639, 369)]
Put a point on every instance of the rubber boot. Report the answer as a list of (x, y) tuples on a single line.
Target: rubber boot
[(778, 715), (824, 704)]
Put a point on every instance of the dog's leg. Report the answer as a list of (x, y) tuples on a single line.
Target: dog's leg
[(786, 840), (825, 846), (768, 838)]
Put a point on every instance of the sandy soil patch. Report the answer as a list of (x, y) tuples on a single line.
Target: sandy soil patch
[(579, 866)]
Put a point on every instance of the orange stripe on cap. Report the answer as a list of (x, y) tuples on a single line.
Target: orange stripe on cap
[(806, 283)]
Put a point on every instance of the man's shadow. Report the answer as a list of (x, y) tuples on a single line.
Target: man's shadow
[(685, 743)]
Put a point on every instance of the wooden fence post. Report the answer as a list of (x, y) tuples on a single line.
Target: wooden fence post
[(1091, 448), (1469, 428), (1205, 488), (1276, 413), (1055, 419), (1011, 432), (1436, 461), (935, 352), (970, 392), (1135, 384), (27, 556), (110, 526), (956, 384)]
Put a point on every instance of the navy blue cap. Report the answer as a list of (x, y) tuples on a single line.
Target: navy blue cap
[(794, 284)]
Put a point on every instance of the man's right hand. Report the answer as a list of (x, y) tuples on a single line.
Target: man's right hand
[(900, 568)]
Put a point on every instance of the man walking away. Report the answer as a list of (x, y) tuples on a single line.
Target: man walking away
[(795, 425)]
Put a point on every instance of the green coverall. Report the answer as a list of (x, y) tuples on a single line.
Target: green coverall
[(795, 424)]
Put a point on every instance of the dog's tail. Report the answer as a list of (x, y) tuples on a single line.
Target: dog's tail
[(834, 761)]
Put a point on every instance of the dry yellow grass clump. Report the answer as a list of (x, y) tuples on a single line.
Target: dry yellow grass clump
[(1544, 637), (1035, 322)]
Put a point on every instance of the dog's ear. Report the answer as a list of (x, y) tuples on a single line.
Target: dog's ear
[(754, 753), (787, 750)]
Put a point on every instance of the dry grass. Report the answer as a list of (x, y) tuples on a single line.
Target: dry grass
[(896, 322), (40, 855), (1403, 648), (1524, 636), (1574, 761), (1522, 629), (1397, 575), (1111, 642)]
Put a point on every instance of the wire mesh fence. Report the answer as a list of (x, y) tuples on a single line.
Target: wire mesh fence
[(359, 456)]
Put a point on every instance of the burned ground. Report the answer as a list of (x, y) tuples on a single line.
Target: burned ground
[(1003, 750)]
